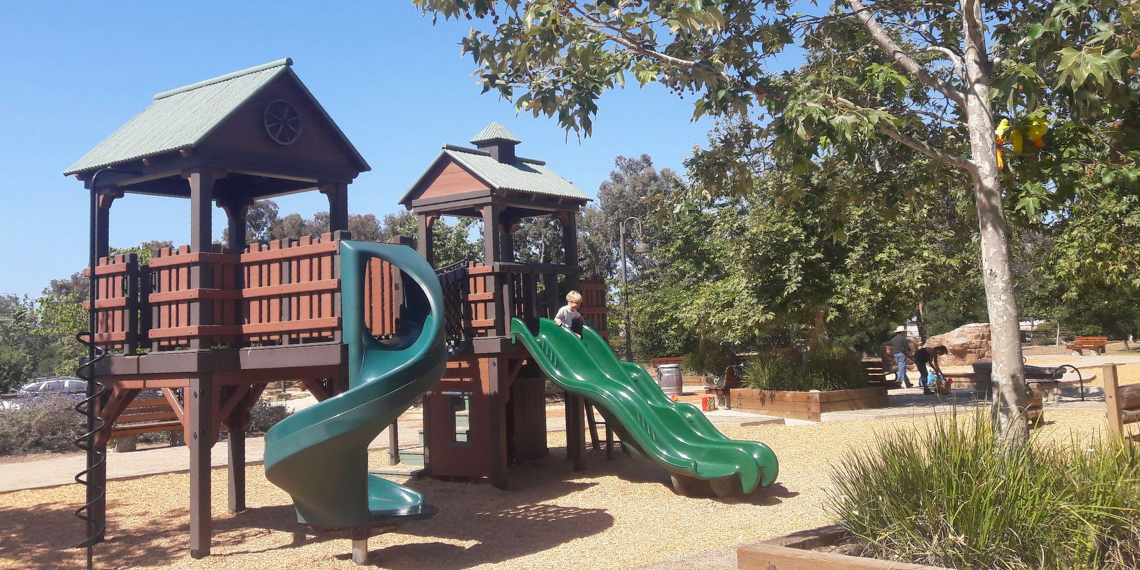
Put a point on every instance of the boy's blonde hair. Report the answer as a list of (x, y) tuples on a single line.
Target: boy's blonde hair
[(573, 297)]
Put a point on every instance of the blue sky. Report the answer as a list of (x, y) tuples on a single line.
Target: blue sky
[(73, 72)]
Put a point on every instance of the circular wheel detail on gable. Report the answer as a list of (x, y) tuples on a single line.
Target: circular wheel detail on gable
[(282, 122)]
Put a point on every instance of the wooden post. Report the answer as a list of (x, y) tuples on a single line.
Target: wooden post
[(497, 379), (338, 204), (575, 432), (493, 249), (1112, 401), (238, 424), (200, 405), (424, 223), (570, 247), (236, 210), (201, 241)]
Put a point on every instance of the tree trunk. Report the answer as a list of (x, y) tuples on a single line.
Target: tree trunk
[(815, 331), (1010, 396), (1058, 333), (921, 323)]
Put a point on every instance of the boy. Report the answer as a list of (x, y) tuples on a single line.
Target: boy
[(567, 315)]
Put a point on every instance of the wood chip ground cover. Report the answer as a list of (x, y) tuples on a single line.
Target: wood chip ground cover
[(613, 515)]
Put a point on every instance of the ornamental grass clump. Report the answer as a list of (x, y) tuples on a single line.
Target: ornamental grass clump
[(952, 495), (827, 368)]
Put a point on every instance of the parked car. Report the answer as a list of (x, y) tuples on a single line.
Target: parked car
[(61, 385)]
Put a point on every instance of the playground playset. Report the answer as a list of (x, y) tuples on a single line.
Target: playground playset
[(368, 328)]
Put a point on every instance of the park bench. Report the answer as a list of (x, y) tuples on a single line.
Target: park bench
[(145, 416), (1093, 343), (1123, 402)]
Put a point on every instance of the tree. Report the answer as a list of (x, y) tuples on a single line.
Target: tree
[(20, 345), (922, 74), (628, 192)]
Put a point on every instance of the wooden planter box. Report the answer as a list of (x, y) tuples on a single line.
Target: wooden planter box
[(806, 405), (794, 552)]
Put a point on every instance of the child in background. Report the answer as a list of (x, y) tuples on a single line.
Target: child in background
[(568, 314)]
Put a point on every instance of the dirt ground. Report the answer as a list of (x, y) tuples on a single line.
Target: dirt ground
[(612, 515)]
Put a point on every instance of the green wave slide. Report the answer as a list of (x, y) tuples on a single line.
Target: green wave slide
[(675, 435), (319, 454)]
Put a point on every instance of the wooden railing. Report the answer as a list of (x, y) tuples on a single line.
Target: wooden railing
[(288, 292), (383, 295), (191, 297), (594, 308), (117, 303), (292, 291)]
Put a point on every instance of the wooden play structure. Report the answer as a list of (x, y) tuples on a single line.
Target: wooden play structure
[(211, 325), (487, 375)]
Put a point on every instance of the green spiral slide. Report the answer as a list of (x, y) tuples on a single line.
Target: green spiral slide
[(319, 454), (677, 436)]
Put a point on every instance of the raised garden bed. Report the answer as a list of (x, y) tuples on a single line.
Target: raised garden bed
[(806, 405), (809, 550)]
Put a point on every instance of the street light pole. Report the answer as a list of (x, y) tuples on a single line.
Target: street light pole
[(642, 247)]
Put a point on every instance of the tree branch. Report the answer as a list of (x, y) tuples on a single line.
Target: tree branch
[(917, 71), (618, 36), (909, 141), (953, 57)]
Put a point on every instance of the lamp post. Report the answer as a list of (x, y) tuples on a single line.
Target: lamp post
[(641, 247)]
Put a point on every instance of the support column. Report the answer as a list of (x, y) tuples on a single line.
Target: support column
[(337, 194), (424, 223), (201, 241), (492, 252), (497, 379), (236, 210), (576, 431), (201, 406), (236, 425), (570, 247)]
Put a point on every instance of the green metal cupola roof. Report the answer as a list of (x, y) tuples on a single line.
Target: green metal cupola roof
[(494, 132)]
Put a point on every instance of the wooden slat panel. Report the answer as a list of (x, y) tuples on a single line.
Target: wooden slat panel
[(323, 286), (187, 258), (307, 248), (307, 325), (196, 331)]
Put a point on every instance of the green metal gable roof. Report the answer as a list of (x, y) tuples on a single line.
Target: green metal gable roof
[(523, 175), (184, 117), (179, 118)]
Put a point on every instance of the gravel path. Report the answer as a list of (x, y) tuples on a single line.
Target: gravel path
[(613, 515)]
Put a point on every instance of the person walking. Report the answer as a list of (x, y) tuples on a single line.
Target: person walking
[(900, 346)]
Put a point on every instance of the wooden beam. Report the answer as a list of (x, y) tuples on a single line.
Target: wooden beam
[(315, 389)]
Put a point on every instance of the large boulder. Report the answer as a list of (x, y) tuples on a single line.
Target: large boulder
[(967, 344)]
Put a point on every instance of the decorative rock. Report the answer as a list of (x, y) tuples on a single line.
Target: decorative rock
[(967, 344)]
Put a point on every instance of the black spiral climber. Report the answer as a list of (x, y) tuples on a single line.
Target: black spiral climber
[(96, 525), (91, 512)]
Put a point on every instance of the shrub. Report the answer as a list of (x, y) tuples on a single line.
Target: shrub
[(712, 359), (265, 415), (953, 496), (828, 368), (42, 423)]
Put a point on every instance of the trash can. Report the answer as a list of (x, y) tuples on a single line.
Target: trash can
[(669, 378)]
